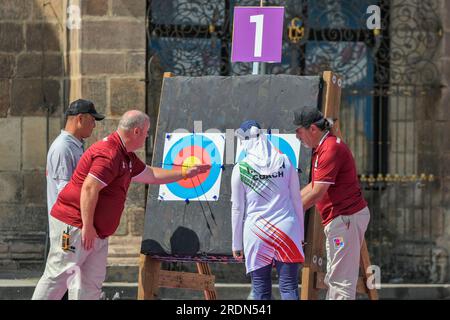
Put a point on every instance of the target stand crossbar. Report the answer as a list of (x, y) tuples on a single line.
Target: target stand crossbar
[(313, 275), (152, 277)]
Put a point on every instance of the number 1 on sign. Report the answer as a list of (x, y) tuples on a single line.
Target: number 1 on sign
[(259, 20)]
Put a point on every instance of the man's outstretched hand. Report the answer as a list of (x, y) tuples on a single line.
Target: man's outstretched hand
[(196, 170)]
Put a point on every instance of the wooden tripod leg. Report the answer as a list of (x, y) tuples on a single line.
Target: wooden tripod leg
[(308, 291), (148, 278), (315, 238), (203, 268), (365, 263), (313, 256)]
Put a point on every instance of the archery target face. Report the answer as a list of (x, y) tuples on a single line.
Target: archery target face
[(185, 150), (287, 144)]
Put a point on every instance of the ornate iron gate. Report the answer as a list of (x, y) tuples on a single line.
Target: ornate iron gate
[(389, 75)]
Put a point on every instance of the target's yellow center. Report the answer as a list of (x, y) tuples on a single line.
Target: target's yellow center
[(189, 162)]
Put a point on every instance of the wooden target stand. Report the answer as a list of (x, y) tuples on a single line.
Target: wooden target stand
[(313, 275), (152, 277)]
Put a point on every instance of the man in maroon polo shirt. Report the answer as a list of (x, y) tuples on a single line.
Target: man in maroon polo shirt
[(88, 209), (335, 191)]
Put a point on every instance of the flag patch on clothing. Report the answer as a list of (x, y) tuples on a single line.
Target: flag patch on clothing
[(338, 242)]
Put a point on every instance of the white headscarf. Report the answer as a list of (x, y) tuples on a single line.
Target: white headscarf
[(261, 153)]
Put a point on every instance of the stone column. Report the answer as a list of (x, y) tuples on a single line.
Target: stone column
[(112, 51), (31, 100)]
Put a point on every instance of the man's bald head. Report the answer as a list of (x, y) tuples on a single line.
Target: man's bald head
[(133, 129), (133, 119)]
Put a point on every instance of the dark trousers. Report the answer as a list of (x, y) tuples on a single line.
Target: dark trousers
[(288, 281)]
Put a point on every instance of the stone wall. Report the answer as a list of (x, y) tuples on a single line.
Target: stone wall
[(31, 100), (43, 66), (421, 146), (412, 228), (436, 124), (112, 74)]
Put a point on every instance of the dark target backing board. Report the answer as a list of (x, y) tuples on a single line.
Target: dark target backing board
[(179, 229)]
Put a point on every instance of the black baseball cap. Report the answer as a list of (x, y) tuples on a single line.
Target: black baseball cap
[(83, 106), (307, 116)]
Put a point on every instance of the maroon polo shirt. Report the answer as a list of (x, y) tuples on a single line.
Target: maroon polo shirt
[(109, 162), (333, 164)]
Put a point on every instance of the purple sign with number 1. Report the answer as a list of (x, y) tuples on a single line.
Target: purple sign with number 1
[(257, 34)]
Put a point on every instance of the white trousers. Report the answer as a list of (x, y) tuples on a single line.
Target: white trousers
[(344, 237), (77, 270)]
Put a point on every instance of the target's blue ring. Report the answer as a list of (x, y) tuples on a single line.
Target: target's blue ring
[(205, 143), (283, 146)]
